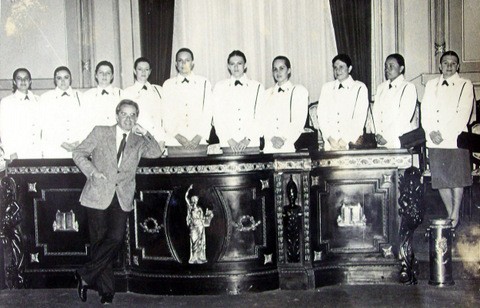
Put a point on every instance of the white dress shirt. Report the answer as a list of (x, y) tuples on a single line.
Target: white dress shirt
[(446, 109), (20, 129), (393, 110), (150, 102), (118, 140), (283, 114), (62, 121), (342, 111), (99, 105), (235, 110), (188, 106)]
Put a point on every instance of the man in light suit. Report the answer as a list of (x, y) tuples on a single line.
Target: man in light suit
[(109, 157)]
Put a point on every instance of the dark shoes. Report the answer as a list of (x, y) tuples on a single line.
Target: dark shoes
[(106, 298), (81, 288)]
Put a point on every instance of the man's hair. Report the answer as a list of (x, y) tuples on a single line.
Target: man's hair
[(183, 50), (450, 53), (344, 58), (237, 53), (103, 63), (15, 73), (287, 63), (61, 68), (400, 60), (128, 102)]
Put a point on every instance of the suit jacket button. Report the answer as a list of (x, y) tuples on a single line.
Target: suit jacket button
[(116, 184), (118, 171)]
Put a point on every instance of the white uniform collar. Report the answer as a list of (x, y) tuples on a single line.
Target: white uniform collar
[(397, 81), (287, 86), (109, 89), (347, 83), (59, 93), (21, 96), (244, 80)]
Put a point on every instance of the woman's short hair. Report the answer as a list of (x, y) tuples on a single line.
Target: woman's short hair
[(285, 60), (58, 69), (237, 53), (14, 76), (104, 63), (400, 60), (344, 58), (184, 49)]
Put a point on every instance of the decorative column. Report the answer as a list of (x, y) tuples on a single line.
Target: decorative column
[(87, 42), (292, 203), (439, 27)]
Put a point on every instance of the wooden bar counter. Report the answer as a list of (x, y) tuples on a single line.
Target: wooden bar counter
[(290, 221)]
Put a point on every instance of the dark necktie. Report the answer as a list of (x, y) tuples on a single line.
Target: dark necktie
[(340, 86), (237, 82), (390, 86), (122, 147), (65, 94), (185, 80), (144, 87), (104, 92), (280, 90), (26, 98), (445, 83)]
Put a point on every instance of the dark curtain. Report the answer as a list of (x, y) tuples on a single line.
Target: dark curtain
[(156, 31), (351, 23)]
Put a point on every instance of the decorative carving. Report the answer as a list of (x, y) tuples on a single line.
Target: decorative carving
[(351, 215), (207, 169), (265, 184), (370, 161), (197, 222), (387, 251), (10, 233), (246, 223), (150, 225), (411, 211), (65, 222), (34, 258), (298, 164), (292, 221), (32, 187), (317, 255), (268, 258), (44, 170), (315, 180), (135, 260)]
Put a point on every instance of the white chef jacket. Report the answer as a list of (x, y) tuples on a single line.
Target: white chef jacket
[(99, 106), (447, 109), (188, 108), (283, 114), (150, 102), (342, 112), (393, 110), (62, 121), (235, 110), (20, 129)]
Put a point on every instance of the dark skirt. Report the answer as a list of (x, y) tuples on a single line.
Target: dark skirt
[(450, 168)]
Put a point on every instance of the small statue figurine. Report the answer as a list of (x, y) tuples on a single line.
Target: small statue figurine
[(411, 211), (10, 233), (292, 222), (197, 222)]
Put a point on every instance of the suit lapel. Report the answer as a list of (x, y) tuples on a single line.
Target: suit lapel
[(112, 141), (130, 147)]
